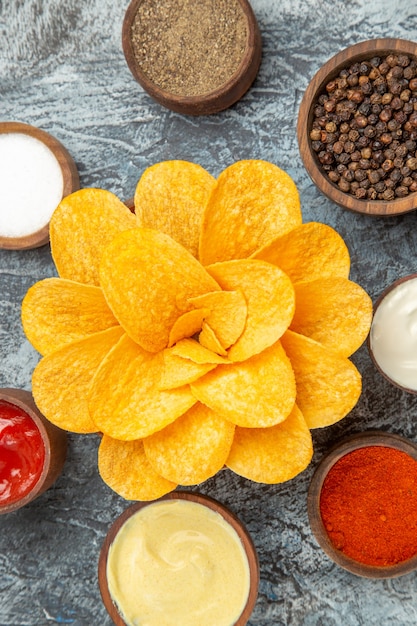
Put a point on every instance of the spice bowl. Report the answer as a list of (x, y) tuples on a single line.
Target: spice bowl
[(362, 504), (36, 172), (392, 340), (357, 127), (191, 58), (182, 559), (32, 450)]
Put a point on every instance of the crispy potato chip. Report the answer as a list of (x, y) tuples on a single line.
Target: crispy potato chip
[(227, 314), (171, 197), (270, 299), (308, 252), (328, 385), (257, 393), (333, 311), (123, 466), (191, 349), (61, 380), (272, 455), (179, 371), (125, 401), (208, 339), (187, 325), (56, 312), (252, 203), (147, 278), (193, 448), (81, 227)]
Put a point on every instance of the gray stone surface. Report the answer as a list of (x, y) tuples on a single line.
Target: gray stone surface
[(62, 69)]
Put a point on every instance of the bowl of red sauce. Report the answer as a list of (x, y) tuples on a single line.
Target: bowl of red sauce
[(32, 450), (362, 504)]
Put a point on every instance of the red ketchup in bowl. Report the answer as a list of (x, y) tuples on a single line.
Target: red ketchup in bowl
[(22, 453)]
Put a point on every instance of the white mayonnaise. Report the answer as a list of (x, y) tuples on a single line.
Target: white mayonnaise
[(393, 336)]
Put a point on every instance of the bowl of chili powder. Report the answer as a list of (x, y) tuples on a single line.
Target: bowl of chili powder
[(362, 504)]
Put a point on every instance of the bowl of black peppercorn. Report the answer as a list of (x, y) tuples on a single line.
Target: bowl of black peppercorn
[(357, 127)]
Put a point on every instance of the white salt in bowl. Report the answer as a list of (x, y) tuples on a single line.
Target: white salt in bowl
[(36, 172)]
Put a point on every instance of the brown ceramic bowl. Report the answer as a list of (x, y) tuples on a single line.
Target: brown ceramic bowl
[(384, 364), (70, 182), (354, 442), (54, 439), (220, 98), (216, 506), (363, 51)]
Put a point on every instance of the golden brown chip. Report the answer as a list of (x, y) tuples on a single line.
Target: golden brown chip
[(257, 393), (272, 455), (81, 227), (61, 380), (252, 203), (171, 197), (193, 448), (125, 399), (179, 371), (308, 252), (227, 314), (123, 466), (56, 312), (270, 300), (328, 385), (187, 325), (334, 311), (191, 349), (147, 278), (208, 339)]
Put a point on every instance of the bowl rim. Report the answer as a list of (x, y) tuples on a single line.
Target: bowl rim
[(70, 176), (217, 100), (335, 453), (396, 283), (199, 498), (54, 440), (351, 54)]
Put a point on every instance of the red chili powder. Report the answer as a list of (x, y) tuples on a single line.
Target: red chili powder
[(368, 505)]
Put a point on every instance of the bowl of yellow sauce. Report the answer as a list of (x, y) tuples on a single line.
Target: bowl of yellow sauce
[(183, 559)]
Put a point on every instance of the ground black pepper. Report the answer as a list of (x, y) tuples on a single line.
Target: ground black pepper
[(189, 47), (364, 128)]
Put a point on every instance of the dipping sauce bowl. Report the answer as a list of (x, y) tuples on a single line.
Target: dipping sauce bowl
[(32, 450), (182, 559), (362, 505)]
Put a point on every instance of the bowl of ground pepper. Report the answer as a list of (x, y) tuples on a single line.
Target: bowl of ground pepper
[(195, 58), (357, 127), (362, 504)]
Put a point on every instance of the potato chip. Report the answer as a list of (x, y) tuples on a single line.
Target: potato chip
[(191, 349), (252, 203), (81, 227), (178, 371), (328, 385), (208, 339), (56, 312), (257, 393), (270, 300), (187, 325), (308, 252), (334, 311), (227, 314), (193, 448), (61, 380), (272, 455), (147, 278), (125, 400), (123, 466), (171, 197)]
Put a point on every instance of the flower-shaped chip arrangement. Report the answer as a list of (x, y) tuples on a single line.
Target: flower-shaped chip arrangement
[(210, 328)]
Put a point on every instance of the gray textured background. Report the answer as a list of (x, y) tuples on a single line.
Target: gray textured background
[(62, 69)]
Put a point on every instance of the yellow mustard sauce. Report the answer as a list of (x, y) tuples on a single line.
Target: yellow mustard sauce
[(178, 563)]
